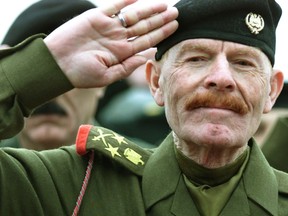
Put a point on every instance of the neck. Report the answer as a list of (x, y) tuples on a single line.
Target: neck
[(209, 156)]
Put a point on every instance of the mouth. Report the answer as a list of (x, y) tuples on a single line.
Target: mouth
[(214, 107)]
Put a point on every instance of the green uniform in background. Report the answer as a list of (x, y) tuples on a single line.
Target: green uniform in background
[(275, 147)]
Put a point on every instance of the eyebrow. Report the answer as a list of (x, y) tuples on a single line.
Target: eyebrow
[(187, 47), (248, 52), (208, 48)]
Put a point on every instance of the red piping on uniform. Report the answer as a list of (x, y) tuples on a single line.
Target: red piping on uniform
[(81, 139)]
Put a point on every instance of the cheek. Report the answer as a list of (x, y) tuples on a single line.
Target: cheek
[(175, 93), (262, 92), (256, 94)]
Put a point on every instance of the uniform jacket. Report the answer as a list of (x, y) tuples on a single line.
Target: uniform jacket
[(125, 180), (262, 190), (118, 177)]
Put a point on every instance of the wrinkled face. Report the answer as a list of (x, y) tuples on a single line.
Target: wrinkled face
[(57, 124), (214, 92)]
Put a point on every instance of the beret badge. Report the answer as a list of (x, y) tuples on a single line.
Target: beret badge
[(255, 23), (240, 22)]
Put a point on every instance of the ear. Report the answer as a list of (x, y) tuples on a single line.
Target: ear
[(276, 85), (153, 72)]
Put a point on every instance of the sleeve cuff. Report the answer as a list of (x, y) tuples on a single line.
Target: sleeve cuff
[(34, 74)]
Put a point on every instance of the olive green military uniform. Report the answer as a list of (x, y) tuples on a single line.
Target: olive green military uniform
[(25, 84), (275, 147), (124, 178)]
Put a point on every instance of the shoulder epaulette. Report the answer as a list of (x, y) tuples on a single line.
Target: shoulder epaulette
[(113, 145), (282, 179)]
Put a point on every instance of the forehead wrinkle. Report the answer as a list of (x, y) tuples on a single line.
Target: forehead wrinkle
[(198, 46), (240, 49)]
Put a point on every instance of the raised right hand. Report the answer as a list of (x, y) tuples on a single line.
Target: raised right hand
[(94, 49)]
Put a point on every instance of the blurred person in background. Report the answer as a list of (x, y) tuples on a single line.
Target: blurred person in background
[(272, 134), (55, 123)]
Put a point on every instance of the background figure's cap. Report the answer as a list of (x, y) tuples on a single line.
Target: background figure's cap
[(249, 22), (44, 17)]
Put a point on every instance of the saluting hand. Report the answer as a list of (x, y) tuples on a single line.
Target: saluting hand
[(99, 49)]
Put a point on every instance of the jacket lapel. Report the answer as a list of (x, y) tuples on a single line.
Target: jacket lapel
[(238, 203), (258, 184), (162, 178), (182, 202), (260, 181)]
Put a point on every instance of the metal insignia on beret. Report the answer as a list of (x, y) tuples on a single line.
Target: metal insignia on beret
[(255, 23)]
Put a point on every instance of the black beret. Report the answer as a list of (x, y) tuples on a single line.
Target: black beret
[(249, 22), (44, 17)]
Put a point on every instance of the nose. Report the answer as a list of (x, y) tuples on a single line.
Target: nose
[(220, 76)]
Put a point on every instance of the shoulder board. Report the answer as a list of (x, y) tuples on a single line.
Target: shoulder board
[(113, 145), (282, 179)]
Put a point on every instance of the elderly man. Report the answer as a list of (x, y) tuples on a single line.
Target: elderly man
[(214, 77)]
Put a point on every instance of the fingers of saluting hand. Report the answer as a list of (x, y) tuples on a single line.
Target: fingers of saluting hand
[(143, 27), (148, 19), (132, 15), (147, 32), (95, 48), (143, 21), (114, 8)]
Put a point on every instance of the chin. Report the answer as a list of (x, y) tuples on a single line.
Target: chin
[(217, 143), (50, 133), (214, 138), (52, 142)]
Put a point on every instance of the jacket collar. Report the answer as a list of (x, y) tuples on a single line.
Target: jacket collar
[(161, 172), (162, 176)]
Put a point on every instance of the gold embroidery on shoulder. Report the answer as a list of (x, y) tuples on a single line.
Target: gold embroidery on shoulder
[(133, 156), (113, 147), (113, 150), (101, 137), (120, 139)]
